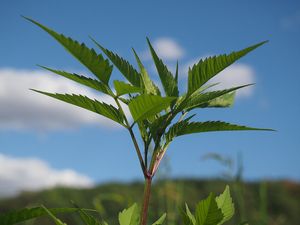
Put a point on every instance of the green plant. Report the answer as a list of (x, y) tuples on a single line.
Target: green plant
[(159, 115)]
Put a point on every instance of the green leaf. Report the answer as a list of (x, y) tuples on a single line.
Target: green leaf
[(150, 87), (129, 216), (207, 212), (188, 217), (224, 202), (185, 127), (176, 73), (95, 84), (100, 67), (204, 70), (30, 213), (55, 219), (124, 88), (202, 99), (100, 108), (124, 66), (168, 81), (145, 106), (197, 127), (176, 128), (160, 220), (226, 100), (88, 219)]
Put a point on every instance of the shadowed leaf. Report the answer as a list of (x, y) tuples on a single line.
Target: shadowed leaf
[(206, 69), (88, 57)]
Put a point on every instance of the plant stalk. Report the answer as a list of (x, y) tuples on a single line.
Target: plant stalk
[(146, 200)]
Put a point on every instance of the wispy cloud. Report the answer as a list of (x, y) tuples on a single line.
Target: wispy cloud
[(291, 22), (166, 48), (21, 108), (31, 174)]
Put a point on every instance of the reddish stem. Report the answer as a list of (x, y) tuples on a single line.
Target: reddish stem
[(147, 192)]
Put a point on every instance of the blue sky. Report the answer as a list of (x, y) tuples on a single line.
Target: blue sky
[(61, 137)]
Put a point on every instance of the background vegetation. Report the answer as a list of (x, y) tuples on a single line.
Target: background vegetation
[(280, 205)]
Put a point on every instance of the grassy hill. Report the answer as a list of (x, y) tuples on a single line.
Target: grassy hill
[(259, 203)]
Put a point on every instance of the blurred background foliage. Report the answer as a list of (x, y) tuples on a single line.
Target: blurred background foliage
[(267, 202)]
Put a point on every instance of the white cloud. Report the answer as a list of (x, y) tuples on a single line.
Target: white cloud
[(234, 75), (21, 108), (166, 48), (31, 174)]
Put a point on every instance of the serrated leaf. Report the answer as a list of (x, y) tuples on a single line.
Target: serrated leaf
[(150, 87), (129, 216), (92, 83), (100, 67), (54, 218), (209, 126), (160, 220), (224, 202), (207, 212), (123, 65), (205, 69), (202, 99), (168, 81), (100, 108), (30, 213), (125, 88), (145, 106), (226, 100), (176, 128)]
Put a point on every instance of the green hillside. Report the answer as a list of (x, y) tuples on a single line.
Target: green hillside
[(259, 203)]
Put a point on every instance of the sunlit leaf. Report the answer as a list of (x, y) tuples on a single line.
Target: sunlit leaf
[(150, 87), (125, 88), (207, 212), (129, 216), (145, 105), (224, 202), (160, 220)]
